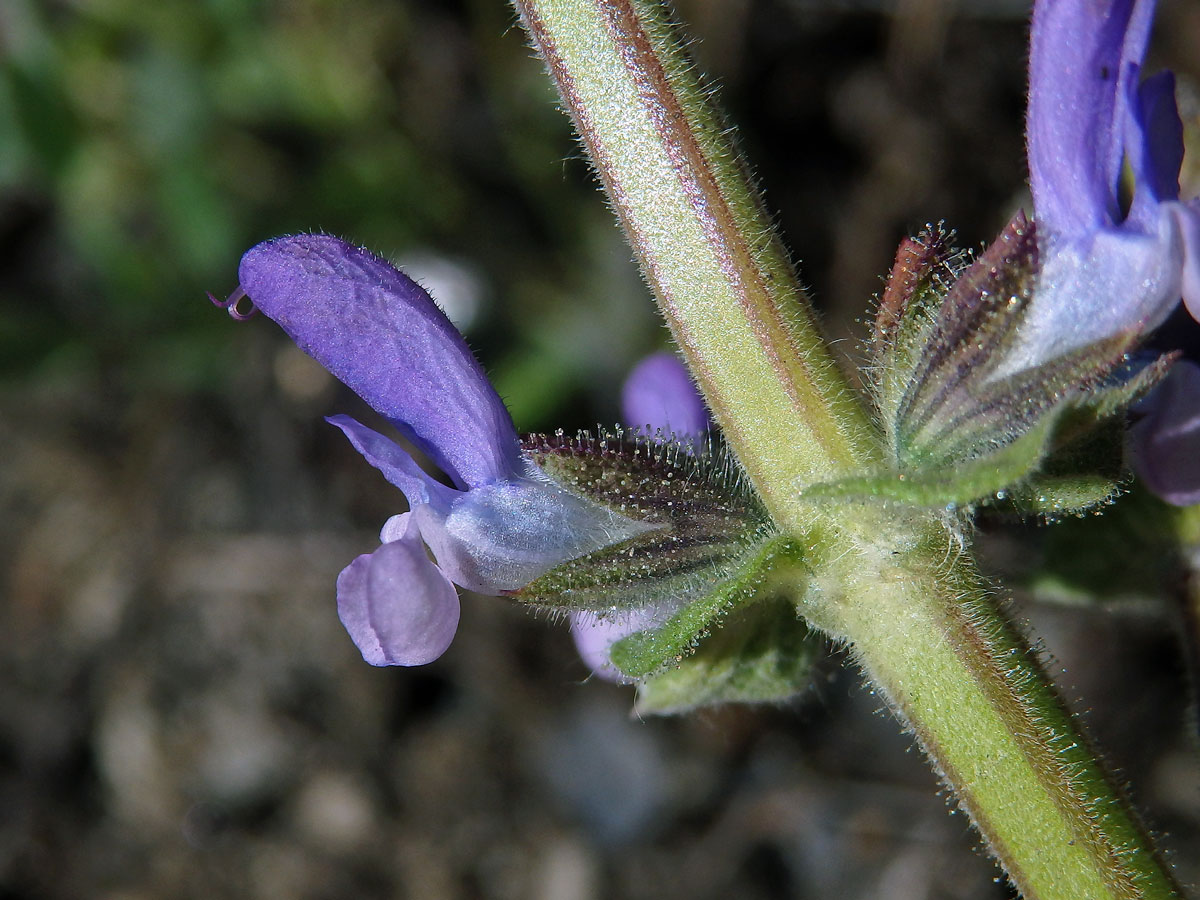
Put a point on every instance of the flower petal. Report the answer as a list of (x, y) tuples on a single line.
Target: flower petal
[(1079, 50), (1096, 286), (397, 606), (379, 333), (1155, 146), (394, 462), (659, 395), (395, 528), (353, 609), (1166, 443), (1187, 216)]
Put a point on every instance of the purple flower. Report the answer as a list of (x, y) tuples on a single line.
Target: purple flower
[(659, 396), (502, 523), (1166, 441), (1106, 270)]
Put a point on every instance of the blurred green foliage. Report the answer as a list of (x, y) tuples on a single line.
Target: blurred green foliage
[(144, 146)]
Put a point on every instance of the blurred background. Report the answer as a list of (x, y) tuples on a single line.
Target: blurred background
[(181, 714)]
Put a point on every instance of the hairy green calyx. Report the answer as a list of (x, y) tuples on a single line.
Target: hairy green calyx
[(957, 432), (709, 520), (703, 583)]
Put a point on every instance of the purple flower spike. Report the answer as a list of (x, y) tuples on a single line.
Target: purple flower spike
[(1103, 273), (502, 525), (659, 396)]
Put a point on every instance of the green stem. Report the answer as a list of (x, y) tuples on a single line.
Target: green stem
[(722, 278), (926, 631), (893, 586)]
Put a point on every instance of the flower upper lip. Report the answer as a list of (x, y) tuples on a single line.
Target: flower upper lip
[(1084, 58), (379, 333), (1105, 271)]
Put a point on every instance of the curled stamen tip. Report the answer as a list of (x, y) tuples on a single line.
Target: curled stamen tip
[(238, 304)]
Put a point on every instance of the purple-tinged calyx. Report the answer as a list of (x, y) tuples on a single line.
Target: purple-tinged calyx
[(658, 398), (685, 611), (705, 520), (1105, 270), (957, 429), (502, 524), (690, 611), (984, 373), (942, 331)]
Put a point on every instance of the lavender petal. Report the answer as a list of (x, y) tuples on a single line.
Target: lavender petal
[(397, 466), (1166, 442), (378, 332), (1095, 286), (397, 605), (659, 395), (1187, 217), (502, 536), (1076, 107), (1155, 146)]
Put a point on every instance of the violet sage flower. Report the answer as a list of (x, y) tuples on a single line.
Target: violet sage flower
[(501, 525), (1166, 440), (659, 396), (1105, 270)]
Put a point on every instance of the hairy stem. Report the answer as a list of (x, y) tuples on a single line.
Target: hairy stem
[(916, 617), (722, 278), (926, 631)]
